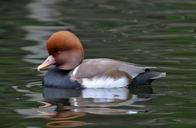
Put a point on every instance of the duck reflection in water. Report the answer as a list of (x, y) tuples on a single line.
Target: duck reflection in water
[(61, 105), (97, 101)]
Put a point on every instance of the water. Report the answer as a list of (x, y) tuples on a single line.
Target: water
[(158, 33)]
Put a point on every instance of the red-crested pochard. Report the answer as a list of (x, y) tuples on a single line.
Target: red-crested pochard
[(66, 53)]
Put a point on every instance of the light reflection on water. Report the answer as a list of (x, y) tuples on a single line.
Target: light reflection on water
[(40, 10)]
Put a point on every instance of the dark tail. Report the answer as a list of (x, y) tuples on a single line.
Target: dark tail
[(147, 77)]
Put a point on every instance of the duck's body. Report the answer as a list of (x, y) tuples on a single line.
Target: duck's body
[(101, 73), (89, 73)]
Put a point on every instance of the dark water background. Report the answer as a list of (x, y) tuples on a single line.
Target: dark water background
[(158, 33)]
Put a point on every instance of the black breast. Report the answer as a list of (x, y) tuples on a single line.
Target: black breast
[(57, 78)]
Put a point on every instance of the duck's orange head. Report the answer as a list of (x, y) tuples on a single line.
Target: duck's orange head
[(65, 51)]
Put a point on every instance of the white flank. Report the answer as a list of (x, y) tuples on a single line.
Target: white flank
[(75, 71), (105, 82)]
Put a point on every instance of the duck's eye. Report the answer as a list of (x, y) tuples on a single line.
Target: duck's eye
[(56, 53)]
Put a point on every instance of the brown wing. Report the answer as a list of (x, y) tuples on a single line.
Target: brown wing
[(93, 67)]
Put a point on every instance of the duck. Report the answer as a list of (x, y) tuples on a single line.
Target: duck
[(71, 70)]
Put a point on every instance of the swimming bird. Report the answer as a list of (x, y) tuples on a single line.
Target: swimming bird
[(71, 70)]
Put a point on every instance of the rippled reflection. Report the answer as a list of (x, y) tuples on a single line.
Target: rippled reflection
[(58, 106), (61, 105), (96, 101), (40, 10)]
